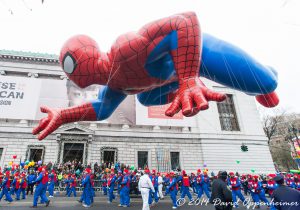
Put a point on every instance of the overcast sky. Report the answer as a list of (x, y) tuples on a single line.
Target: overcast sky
[(267, 29)]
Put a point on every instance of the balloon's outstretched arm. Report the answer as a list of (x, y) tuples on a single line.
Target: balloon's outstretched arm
[(58, 117), (99, 109)]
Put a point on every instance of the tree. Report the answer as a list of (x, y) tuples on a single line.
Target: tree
[(281, 130), (271, 122)]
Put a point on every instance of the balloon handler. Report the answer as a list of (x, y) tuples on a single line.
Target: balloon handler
[(235, 185), (161, 63), (172, 189)]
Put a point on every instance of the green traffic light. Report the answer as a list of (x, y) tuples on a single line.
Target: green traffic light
[(244, 148)]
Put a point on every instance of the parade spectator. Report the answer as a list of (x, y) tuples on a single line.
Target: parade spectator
[(285, 197), (220, 192)]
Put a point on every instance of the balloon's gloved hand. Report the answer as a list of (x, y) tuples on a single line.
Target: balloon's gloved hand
[(192, 97)]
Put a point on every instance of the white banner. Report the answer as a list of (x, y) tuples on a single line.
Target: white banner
[(155, 115), (19, 97)]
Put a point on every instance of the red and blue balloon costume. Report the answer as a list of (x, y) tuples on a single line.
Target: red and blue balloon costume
[(161, 63), (235, 184)]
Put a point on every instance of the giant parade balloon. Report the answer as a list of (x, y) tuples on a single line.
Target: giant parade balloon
[(161, 63)]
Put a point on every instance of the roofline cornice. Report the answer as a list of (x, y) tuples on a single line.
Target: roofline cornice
[(29, 58)]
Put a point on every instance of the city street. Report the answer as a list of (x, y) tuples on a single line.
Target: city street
[(101, 203), (144, 99)]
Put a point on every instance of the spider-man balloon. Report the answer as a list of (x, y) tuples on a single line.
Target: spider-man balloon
[(161, 63)]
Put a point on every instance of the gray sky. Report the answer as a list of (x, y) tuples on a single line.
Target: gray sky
[(267, 29)]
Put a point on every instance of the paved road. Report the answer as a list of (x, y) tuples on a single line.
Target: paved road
[(64, 203)]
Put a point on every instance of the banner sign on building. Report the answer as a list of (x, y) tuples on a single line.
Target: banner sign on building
[(155, 115), (159, 113), (124, 114), (18, 97)]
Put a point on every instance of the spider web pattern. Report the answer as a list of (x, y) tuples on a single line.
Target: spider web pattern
[(186, 57), (131, 51), (92, 66), (123, 67)]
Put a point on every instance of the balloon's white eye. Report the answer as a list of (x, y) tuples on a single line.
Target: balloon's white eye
[(69, 63)]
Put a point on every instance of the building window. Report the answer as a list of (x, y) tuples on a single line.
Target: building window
[(175, 161), (227, 115), (142, 159), (35, 154), (109, 155), (73, 152), (1, 152)]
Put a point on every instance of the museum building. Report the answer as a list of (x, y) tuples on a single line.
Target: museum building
[(135, 135)]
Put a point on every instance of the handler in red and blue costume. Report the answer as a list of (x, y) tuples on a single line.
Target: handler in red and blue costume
[(111, 185), (104, 184), (290, 181), (258, 192), (30, 181), (193, 182), (205, 184), (161, 63), (40, 190), (250, 180), (199, 183), (172, 188), (186, 183), (17, 185), (92, 177), (119, 180), (72, 186), (244, 183), (297, 181), (167, 179), (154, 180), (87, 195), (125, 188), (235, 184), (13, 189), (52, 181), (67, 184), (5, 185), (22, 187), (271, 184), (1, 175)]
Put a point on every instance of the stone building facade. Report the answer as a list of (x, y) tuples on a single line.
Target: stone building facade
[(214, 141)]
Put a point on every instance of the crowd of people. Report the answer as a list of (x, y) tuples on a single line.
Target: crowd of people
[(71, 177)]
